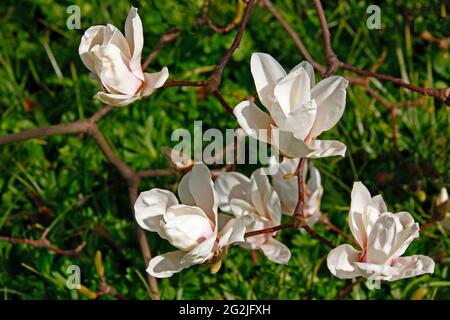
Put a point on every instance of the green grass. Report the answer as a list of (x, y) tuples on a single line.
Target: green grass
[(84, 191)]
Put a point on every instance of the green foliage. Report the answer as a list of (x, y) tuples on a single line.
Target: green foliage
[(87, 199)]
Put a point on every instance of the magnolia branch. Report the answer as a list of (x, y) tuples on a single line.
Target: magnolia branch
[(43, 242), (206, 20), (333, 63)]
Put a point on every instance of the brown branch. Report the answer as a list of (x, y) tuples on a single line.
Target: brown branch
[(216, 78), (330, 56), (318, 236), (443, 43), (349, 288), (201, 83), (294, 36), (142, 238), (299, 207), (106, 289), (333, 228), (43, 242), (222, 101), (155, 173), (269, 230), (333, 64), (167, 37), (206, 20)]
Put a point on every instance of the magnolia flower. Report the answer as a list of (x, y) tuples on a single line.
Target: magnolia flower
[(193, 227), (115, 62), (255, 201), (286, 185), (299, 110), (383, 238)]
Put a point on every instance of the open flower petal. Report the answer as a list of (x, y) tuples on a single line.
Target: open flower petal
[(266, 73), (340, 261), (166, 265), (330, 95), (150, 207)]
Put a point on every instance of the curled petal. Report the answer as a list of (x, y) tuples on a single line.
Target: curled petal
[(150, 207), (326, 148), (166, 265), (186, 226), (154, 80), (202, 252), (381, 241), (117, 100), (340, 261), (276, 251), (232, 232), (91, 37), (412, 266), (255, 122)]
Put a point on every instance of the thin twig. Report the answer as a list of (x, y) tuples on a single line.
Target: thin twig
[(349, 288), (43, 242), (167, 37)]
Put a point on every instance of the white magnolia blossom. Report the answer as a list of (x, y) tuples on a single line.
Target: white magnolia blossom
[(285, 184), (383, 238), (115, 62), (193, 226), (258, 204), (300, 110)]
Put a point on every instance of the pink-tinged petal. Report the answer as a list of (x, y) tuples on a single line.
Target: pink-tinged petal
[(289, 145), (197, 189), (309, 69), (330, 95), (276, 251), (299, 121), (255, 122), (232, 232), (202, 252), (226, 183), (117, 100), (360, 199), (264, 198), (412, 266), (135, 37), (293, 90), (150, 207), (340, 261), (267, 72), (326, 148), (381, 241), (166, 265), (153, 81), (186, 226), (254, 222), (91, 37)]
